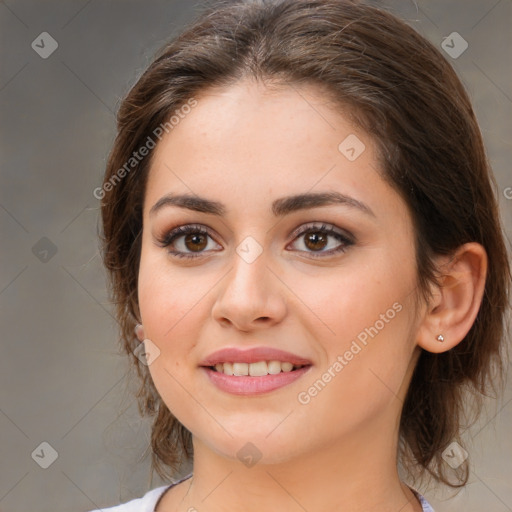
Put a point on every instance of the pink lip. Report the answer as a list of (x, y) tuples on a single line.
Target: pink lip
[(252, 355), (246, 385)]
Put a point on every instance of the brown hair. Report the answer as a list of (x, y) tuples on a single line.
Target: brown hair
[(402, 92)]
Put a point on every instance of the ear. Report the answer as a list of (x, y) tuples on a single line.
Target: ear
[(456, 300), (139, 332)]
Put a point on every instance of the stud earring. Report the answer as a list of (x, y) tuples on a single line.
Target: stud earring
[(440, 338)]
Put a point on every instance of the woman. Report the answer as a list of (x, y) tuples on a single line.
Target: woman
[(306, 258)]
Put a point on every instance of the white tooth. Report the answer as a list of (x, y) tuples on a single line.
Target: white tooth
[(240, 368), (274, 367), (228, 368), (286, 367), (258, 369)]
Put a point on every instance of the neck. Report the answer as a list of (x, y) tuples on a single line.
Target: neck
[(356, 476)]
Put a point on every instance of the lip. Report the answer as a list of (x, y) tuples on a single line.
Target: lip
[(246, 385), (253, 355)]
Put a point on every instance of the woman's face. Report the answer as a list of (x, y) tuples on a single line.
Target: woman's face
[(332, 283)]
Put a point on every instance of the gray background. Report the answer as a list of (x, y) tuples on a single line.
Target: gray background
[(62, 380)]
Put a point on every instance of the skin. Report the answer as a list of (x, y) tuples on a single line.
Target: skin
[(245, 146)]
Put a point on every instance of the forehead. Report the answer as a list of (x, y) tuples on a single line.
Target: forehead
[(247, 143)]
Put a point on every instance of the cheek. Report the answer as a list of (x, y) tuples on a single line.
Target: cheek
[(363, 295), (166, 307), (363, 375), (367, 316), (172, 305), (164, 304), (166, 296)]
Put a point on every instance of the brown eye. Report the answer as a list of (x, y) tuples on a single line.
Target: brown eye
[(315, 239), (195, 242), (188, 241)]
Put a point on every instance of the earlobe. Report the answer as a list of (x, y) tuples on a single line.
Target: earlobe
[(139, 332), (457, 299)]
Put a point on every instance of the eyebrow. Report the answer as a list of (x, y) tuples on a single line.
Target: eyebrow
[(280, 207)]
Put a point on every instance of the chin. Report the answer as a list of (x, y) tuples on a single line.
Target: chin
[(256, 448)]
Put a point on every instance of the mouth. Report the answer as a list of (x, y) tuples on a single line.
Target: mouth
[(251, 379), (253, 371)]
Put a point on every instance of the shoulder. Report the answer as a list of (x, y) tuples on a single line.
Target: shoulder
[(145, 504), (427, 507)]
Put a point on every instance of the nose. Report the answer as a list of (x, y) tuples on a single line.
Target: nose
[(251, 296)]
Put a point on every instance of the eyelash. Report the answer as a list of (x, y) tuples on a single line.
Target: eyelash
[(325, 229)]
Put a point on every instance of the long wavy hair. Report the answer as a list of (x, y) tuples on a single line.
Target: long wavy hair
[(400, 90)]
